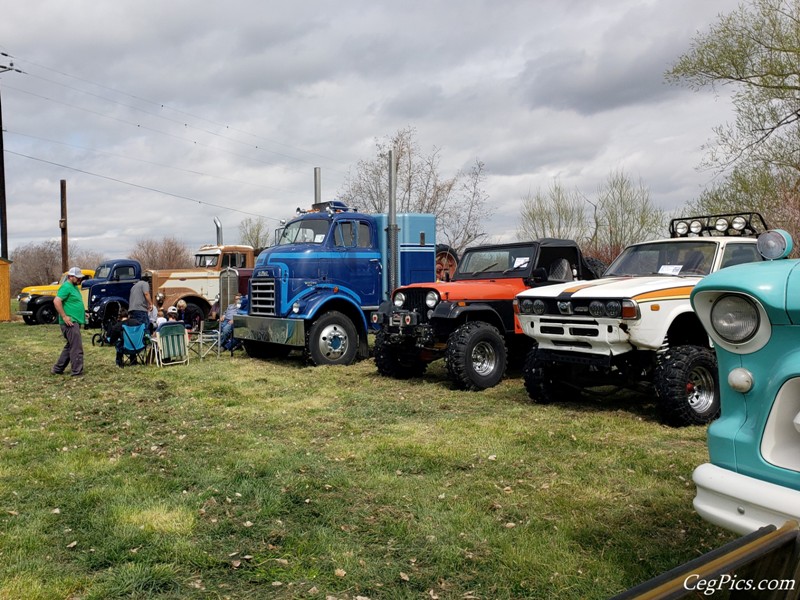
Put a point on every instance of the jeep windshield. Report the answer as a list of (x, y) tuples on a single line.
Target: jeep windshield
[(664, 258), (304, 231), (496, 262)]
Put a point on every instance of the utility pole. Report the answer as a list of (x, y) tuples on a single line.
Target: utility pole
[(62, 224), (3, 217)]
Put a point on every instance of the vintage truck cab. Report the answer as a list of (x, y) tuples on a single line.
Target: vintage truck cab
[(36, 301), (752, 314), (112, 283)]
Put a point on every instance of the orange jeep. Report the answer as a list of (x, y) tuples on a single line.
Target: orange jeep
[(471, 320)]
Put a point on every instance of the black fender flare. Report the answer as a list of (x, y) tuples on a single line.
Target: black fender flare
[(452, 311)]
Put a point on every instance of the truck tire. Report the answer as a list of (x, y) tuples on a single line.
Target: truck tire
[(596, 266), (543, 379), (446, 262), (265, 350), (394, 362), (687, 386), (476, 356), (30, 320), (46, 314), (332, 340)]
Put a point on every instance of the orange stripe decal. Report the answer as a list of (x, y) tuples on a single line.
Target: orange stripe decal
[(678, 293)]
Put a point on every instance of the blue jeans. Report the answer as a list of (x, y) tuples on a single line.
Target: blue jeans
[(226, 335)]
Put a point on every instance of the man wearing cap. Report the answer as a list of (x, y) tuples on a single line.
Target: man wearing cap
[(69, 305)]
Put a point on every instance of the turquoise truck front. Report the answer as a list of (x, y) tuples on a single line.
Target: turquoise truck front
[(752, 313)]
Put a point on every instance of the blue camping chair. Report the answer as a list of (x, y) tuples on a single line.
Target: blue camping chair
[(134, 344)]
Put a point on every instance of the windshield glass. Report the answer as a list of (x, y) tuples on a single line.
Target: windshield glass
[(513, 261), (305, 231), (206, 260), (102, 272), (664, 258)]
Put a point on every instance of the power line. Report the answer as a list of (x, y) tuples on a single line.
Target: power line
[(142, 187)]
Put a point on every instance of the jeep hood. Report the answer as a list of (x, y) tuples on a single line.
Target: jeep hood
[(617, 287), (478, 289)]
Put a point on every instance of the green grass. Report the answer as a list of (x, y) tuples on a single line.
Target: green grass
[(237, 478)]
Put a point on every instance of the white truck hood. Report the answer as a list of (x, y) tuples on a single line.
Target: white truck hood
[(616, 287)]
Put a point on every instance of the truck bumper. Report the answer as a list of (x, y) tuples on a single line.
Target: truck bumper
[(24, 313), (273, 330), (741, 503)]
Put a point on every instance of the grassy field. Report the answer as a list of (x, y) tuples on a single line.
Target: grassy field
[(237, 478)]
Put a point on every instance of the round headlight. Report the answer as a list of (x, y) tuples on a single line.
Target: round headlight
[(526, 306), (682, 228), (613, 308), (734, 318), (739, 223), (774, 244), (539, 307), (431, 299), (596, 308), (399, 299), (696, 226), (721, 225)]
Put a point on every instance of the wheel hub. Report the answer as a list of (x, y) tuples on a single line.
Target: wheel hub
[(700, 389), (484, 359), (333, 342)]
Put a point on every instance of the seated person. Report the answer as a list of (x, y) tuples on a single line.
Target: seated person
[(115, 334), (226, 326), (189, 314)]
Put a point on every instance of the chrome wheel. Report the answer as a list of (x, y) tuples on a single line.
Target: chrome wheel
[(700, 391), (484, 358), (333, 341)]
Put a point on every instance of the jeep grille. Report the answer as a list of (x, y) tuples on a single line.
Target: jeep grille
[(415, 301), (262, 301)]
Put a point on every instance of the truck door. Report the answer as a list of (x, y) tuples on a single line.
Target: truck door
[(357, 264)]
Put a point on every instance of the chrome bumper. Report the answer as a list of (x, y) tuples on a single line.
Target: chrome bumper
[(288, 332)]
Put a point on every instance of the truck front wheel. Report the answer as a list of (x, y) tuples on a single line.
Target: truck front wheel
[(543, 379), (687, 386), (332, 340), (476, 356), (30, 320), (46, 314), (394, 362)]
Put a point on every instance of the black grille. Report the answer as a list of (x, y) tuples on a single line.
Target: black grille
[(415, 301)]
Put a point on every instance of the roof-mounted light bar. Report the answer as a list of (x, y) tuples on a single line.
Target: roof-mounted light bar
[(743, 224)]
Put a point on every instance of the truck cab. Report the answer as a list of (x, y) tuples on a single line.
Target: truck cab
[(328, 270), (112, 282)]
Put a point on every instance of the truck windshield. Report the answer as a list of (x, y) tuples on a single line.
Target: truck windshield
[(206, 260), (304, 231), (664, 258), (102, 272)]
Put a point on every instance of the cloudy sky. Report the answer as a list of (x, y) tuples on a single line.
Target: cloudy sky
[(162, 115)]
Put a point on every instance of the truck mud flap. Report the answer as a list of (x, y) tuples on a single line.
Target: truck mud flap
[(763, 564)]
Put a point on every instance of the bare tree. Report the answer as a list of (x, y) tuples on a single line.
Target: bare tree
[(557, 213), (38, 264), (168, 253), (458, 202), (254, 232)]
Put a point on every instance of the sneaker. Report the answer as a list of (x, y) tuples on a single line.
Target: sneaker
[(54, 372), (77, 374)]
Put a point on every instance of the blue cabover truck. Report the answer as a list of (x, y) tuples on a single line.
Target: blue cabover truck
[(331, 267)]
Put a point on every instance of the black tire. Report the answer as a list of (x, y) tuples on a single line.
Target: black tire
[(46, 314), (476, 356), (97, 339), (30, 320), (543, 379), (395, 362), (332, 340), (446, 262), (687, 386), (265, 350)]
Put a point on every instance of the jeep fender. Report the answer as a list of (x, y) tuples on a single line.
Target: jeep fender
[(452, 311)]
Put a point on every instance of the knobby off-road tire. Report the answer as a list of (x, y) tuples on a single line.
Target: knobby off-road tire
[(265, 349), (596, 265), (396, 362), (332, 340), (687, 385), (543, 379), (476, 356)]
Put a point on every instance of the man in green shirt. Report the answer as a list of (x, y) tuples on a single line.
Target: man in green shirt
[(69, 305)]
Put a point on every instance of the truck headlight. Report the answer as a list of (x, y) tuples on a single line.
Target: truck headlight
[(734, 318), (431, 299), (526, 306), (539, 307), (399, 299)]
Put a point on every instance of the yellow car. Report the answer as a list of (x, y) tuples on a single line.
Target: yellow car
[(36, 301)]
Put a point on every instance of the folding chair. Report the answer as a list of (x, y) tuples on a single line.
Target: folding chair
[(172, 345), (134, 344), (206, 339)]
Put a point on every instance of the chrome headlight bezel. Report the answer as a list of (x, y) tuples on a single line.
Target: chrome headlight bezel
[(703, 302), (734, 318), (399, 299)]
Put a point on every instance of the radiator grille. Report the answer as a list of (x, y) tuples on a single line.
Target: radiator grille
[(262, 301)]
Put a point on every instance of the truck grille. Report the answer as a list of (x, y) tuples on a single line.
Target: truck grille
[(262, 301)]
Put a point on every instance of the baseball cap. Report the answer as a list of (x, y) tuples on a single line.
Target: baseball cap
[(172, 310), (75, 272)]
